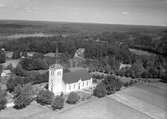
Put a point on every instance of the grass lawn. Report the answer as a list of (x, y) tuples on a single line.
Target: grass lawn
[(159, 85), (12, 61), (23, 113), (139, 105), (146, 96), (153, 89), (103, 108), (77, 68), (125, 79), (139, 52), (50, 54), (9, 54)]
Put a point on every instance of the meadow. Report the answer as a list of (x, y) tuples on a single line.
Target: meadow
[(143, 101)]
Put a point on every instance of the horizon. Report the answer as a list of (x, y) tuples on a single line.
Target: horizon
[(123, 12), (71, 22)]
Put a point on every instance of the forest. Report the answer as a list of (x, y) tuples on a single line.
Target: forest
[(105, 50)]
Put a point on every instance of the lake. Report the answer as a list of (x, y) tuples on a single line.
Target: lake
[(10, 37)]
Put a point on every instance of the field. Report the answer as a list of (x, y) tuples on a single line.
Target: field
[(13, 62), (146, 101), (131, 103), (139, 52)]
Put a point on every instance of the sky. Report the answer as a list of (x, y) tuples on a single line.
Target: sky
[(134, 12)]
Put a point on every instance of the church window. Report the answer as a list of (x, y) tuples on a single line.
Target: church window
[(51, 88), (58, 89), (58, 73), (87, 83), (83, 84), (74, 86), (69, 87)]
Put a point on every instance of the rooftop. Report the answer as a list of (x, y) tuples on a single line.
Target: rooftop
[(74, 77)]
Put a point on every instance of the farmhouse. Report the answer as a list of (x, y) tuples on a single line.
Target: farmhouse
[(5, 73), (67, 82)]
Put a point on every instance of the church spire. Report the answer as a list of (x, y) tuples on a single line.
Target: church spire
[(57, 57)]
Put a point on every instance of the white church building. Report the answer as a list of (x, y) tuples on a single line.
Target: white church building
[(67, 82)]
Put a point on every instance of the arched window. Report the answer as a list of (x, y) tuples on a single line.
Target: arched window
[(87, 83), (69, 87), (83, 84)]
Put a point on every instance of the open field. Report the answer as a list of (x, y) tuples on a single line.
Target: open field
[(130, 103), (125, 79), (13, 62), (153, 89), (77, 68), (23, 113), (139, 52), (104, 108), (146, 101), (159, 85), (147, 96)]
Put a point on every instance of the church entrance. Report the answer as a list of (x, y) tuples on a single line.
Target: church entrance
[(78, 86)]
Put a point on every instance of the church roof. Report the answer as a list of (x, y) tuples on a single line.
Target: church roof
[(74, 77)]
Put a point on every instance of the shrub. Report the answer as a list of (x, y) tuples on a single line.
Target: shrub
[(100, 90), (149, 81), (126, 84), (164, 78), (135, 81), (88, 97), (58, 103), (131, 82), (45, 97), (62, 94), (73, 98)]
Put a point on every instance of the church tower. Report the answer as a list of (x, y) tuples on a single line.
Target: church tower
[(56, 75)]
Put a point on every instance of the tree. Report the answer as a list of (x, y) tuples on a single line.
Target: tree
[(45, 97), (58, 103), (16, 55), (3, 103), (10, 84), (22, 101), (3, 100), (19, 71), (126, 84), (145, 74), (38, 56), (10, 67), (23, 95), (73, 98), (100, 90), (164, 78), (66, 70), (2, 56)]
